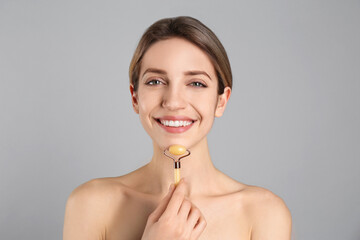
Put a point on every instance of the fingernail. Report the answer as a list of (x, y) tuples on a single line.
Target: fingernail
[(171, 186)]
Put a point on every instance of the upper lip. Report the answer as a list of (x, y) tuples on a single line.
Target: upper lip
[(176, 118)]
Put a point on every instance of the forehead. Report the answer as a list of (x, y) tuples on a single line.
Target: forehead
[(176, 55)]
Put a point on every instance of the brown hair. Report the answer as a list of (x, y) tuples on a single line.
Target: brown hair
[(189, 29)]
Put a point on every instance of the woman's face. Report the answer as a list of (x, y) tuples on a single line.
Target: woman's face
[(177, 97)]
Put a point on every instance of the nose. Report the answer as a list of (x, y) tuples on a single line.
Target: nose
[(173, 99)]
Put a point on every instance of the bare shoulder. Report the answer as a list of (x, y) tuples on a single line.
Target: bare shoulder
[(89, 208), (270, 217), (97, 189)]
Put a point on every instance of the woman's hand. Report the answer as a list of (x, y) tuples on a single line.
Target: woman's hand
[(175, 217)]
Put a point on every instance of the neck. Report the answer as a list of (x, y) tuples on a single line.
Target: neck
[(197, 169)]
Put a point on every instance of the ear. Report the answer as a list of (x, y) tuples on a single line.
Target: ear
[(222, 101), (134, 99)]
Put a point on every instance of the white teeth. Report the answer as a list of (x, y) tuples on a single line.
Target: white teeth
[(172, 123)]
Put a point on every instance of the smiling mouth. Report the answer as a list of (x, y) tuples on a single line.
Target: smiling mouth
[(175, 123)]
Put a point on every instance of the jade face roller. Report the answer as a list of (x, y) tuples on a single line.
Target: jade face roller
[(177, 152)]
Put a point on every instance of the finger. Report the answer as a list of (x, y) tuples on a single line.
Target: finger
[(199, 228), (156, 214), (176, 200), (194, 217), (185, 209)]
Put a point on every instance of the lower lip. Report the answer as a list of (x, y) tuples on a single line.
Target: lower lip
[(175, 129)]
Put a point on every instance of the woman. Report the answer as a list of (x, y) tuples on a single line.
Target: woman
[(180, 79)]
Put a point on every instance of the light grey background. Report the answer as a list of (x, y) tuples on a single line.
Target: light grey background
[(292, 124)]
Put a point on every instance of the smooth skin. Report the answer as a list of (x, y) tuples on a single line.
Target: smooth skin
[(176, 79)]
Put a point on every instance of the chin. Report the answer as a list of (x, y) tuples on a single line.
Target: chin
[(188, 143), (166, 145)]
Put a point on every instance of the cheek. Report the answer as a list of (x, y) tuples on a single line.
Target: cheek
[(205, 103), (146, 101)]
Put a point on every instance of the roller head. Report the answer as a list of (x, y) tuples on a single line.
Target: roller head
[(177, 149)]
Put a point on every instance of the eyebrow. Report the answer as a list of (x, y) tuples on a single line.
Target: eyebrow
[(154, 70), (192, 73), (187, 73)]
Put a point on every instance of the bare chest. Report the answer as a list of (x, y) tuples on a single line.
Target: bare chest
[(226, 219)]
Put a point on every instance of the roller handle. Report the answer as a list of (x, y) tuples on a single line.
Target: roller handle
[(176, 175)]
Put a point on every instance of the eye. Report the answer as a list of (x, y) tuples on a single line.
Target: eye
[(197, 84), (154, 82)]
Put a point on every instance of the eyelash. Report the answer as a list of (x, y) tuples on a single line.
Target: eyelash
[(158, 82), (198, 84), (152, 82)]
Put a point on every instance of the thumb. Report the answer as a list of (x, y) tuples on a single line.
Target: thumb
[(159, 210)]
